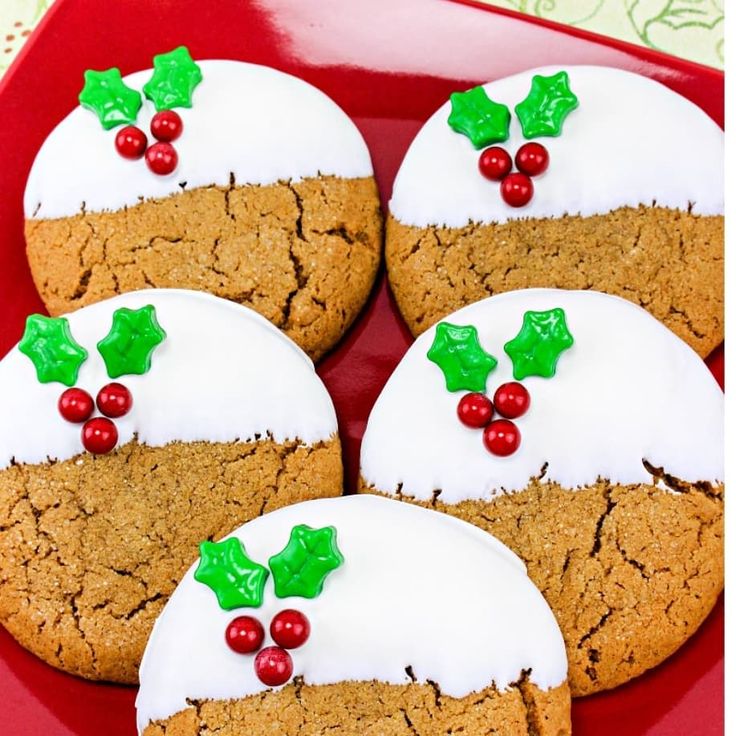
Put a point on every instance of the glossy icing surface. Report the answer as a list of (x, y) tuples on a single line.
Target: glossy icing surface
[(408, 572), (223, 373), (623, 146), (628, 389), (251, 121)]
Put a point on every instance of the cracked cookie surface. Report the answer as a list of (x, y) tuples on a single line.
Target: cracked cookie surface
[(377, 709), (630, 571), (668, 261), (302, 254), (91, 547)]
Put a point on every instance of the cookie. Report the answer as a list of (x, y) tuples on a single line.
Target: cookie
[(272, 202), (206, 416), (356, 615), (587, 437), (624, 194)]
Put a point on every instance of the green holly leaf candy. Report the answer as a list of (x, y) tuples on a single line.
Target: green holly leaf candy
[(545, 108), (478, 117), (110, 98), (301, 567), (55, 354), (133, 337), (537, 348), (235, 579), (175, 76), (458, 353)]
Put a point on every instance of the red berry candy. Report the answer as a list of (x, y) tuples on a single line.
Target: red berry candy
[(274, 666), (162, 158), (166, 126), (114, 400), (494, 163), (532, 159), (290, 628), (516, 189), (244, 635), (99, 435), (76, 405), (511, 400), (501, 437), (475, 410), (131, 142)]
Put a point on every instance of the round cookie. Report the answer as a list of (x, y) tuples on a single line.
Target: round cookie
[(419, 624), (614, 495), (273, 202), (631, 202), (228, 421)]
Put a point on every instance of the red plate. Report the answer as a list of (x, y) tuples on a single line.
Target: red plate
[(389, 64)]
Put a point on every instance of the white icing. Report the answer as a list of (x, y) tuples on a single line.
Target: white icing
[(631, 141), (223, 373), (417, 588), (255, 122), (627, 389)]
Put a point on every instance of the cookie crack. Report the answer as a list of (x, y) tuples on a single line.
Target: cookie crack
[(437, 694), (408, 722), (679, 486), (530, 705), (610, 506), (687, 320), (593, 654), (228, 193), (300, 211)]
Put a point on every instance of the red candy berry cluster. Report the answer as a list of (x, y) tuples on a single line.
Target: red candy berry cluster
[(500, 436), (289, 629), (517, 188), (99, 434), (161, 157)]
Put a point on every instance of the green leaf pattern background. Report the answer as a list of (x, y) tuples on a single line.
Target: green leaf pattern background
[(691, 29), (17, 19)]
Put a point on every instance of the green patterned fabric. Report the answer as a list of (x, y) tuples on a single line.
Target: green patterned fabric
[(17, 19), (691, 29)]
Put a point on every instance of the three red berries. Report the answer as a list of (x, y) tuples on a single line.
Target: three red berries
[(289, 629), (517, 189), (500, 436), (99, 434), (161, 157)]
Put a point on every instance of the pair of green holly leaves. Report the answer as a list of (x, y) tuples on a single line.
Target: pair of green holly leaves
[(541, 113), (175, 76), (126, 349), (535, 351), (300, 569)]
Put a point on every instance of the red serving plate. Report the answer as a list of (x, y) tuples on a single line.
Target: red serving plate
[(389, 64)]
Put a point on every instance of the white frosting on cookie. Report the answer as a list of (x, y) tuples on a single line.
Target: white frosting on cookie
[(627, 389), (417, 588), (223, 373), (255, 122), (631, 141)]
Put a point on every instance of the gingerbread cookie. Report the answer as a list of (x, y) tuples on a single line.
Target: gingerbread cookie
[(356, 615), (583, 178), (131, 430), (220, 176), (588, 438)]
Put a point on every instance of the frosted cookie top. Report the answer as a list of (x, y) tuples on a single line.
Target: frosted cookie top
[(406, 574), (631, 141), (256, 123), (621, 389), (222, 373)]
